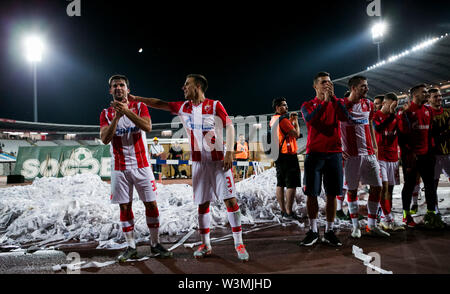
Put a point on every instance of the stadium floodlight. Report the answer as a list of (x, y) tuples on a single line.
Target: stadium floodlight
[(34, 48), (378, 31)]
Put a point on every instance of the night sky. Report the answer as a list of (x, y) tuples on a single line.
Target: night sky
[(250, 53)]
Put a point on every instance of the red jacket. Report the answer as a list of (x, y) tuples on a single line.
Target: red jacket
[(386, 131), (415, 126), (322, 120)]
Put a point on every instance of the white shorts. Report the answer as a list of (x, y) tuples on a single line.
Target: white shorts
[(210, 182), (123, 181), (390, 172), (364, 168), (442, 165)]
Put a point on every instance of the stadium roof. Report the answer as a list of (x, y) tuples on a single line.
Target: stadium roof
[(25, 126), (428, 62)]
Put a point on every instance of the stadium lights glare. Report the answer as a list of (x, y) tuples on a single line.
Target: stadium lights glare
[(406, 52), (378, 30), (34, 48)]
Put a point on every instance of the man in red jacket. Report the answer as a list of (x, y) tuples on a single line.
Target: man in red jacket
[(323, 155), (415, 124), (441, 136), (386, 132)]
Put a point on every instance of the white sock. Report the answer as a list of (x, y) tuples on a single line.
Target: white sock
[(234, 217), (152, 217), (129, 236), (127, 224), (154, 236), (204, 222), (329, 226), (313, 224)]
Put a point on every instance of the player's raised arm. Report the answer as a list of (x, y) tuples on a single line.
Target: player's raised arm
[(152, 102), (107, 131)]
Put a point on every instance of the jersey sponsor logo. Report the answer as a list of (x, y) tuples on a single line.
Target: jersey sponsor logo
[(422, 127), (123, 131), (390, 133), (362, 121)]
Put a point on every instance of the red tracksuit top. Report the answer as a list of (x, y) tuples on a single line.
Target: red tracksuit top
[(415, 125), (322, 120)]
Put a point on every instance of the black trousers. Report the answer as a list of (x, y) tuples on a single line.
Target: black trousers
[(177, 171), (424, 165)]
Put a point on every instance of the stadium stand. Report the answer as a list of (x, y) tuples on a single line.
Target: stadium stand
[(67, 143), (90, 142), (45, 143), (12, 146)]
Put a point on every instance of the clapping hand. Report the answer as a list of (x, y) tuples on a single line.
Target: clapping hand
[(393, 106)]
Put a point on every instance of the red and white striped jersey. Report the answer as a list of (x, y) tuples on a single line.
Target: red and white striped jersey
[(356, 137), (129, 144), (204, 124)]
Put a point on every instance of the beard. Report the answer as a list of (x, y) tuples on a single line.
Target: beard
[(120, 97)]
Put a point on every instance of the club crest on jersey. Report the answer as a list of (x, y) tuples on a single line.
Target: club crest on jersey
[(364, 107)]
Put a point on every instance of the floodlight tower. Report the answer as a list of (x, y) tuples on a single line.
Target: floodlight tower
[(33, 52), (378, 31)]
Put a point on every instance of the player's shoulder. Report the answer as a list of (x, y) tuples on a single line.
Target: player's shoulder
[(107, 111), (377, 113), (310, 102), (212, 101)]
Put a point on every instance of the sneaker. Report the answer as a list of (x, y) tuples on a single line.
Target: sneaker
[(330, 238), (310, 239), (291, 216), (284, 215), (130, 253), (242, 252), (376, 232), (161, 251), (391, 226), (356, 233), (385, 225), (409, 221), (202, 251), (414, 209), (433, 221), (341, 215)]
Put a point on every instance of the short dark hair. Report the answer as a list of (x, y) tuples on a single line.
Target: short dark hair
[(320, 74), (200, 79), (433, 90), (119, 77), (355, 80), (391, 96), (379, 97), (415, 88), (277, 102)]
